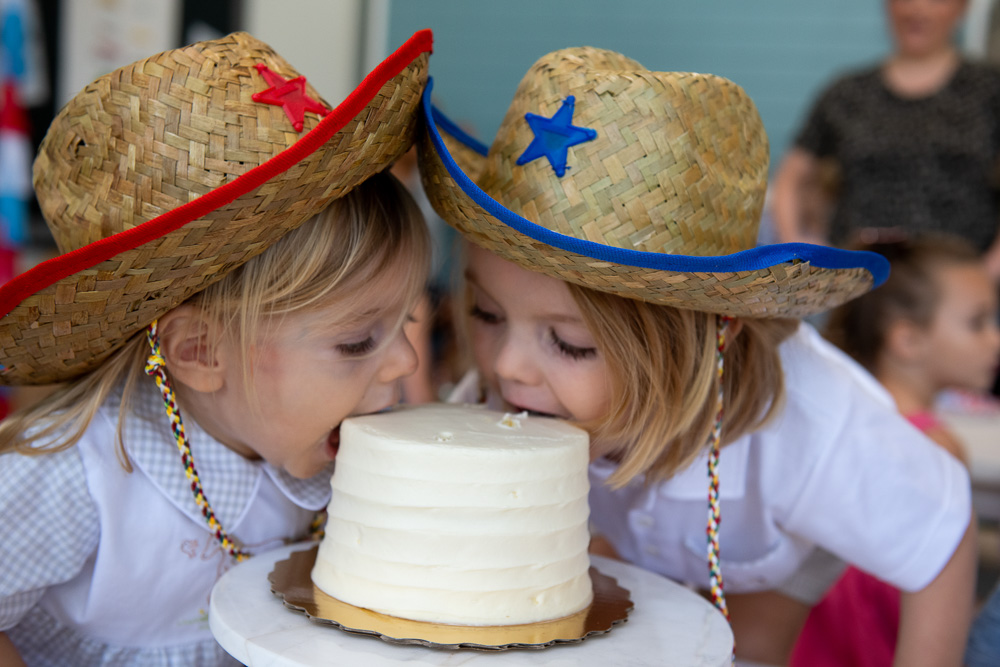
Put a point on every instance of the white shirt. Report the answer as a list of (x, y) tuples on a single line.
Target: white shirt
[(837, 467), (106, 567)]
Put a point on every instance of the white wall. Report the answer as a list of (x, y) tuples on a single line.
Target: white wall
[(328, 41), (98, 36), (977, 27), (322, 39)]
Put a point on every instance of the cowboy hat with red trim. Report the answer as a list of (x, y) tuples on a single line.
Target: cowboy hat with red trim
[(162, 176)]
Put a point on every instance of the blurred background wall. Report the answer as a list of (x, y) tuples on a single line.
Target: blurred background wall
[(781, 51)]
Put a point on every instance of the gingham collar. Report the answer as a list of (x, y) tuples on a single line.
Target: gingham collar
[(230, 481)]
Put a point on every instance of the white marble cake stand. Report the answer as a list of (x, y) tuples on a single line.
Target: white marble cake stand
[(670, 625)]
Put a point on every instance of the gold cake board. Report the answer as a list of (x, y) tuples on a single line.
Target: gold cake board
[(291, 581)]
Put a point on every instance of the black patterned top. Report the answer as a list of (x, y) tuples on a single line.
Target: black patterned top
[(920, 164)]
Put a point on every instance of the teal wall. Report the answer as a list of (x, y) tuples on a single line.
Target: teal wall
[(781, 51)]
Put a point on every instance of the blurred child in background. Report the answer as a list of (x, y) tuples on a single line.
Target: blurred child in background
[(932, 326)]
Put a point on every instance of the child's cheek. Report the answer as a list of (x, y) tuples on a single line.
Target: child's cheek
[(484, 352)]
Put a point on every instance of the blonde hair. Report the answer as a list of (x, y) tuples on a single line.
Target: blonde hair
[(374, 228), (662, 366)]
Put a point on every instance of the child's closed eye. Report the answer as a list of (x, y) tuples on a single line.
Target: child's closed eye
[(981, 320), (357, 349), (484, 316), (569, 350)]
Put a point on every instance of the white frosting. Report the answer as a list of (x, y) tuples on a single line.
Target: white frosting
[(460, 515)]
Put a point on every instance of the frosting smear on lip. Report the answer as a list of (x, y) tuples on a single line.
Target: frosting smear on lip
[(459, 515)]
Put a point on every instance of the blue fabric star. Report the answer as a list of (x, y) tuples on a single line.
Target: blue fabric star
[(554, 136)]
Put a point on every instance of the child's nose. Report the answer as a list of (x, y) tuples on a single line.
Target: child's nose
[(512, 363), (400, 359)]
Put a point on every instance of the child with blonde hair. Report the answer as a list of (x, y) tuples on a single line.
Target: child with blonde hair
[(613, 280), (237, 269)]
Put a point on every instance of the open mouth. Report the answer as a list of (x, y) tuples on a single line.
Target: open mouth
[(534, 413), (333, 443)]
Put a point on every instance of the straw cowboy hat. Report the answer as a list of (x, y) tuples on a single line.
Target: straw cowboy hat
[(159, 178), (644, 184)]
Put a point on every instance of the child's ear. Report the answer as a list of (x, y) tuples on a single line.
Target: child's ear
[(734, 327), (905, 340), (189, 343)]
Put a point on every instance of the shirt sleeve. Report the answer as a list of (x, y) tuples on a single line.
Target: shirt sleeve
[(876, 491), (50, 527)]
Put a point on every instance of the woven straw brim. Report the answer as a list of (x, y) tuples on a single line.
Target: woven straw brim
[(57, 327), (788, 287)]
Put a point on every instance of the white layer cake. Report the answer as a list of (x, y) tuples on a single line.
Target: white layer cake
[(459, 515)]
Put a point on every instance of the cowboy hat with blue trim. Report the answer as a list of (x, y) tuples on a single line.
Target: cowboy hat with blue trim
[(644, 184)]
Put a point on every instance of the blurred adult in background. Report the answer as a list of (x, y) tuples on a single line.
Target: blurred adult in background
[(912, 142)]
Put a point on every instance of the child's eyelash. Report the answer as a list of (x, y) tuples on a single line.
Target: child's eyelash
[(572, 351), (357, 349), (483, 316)]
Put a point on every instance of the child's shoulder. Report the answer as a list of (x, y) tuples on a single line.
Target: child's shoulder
[(828, 398), (42, 470), (55, 438), (821, 376), (837, 428), (48, 490)]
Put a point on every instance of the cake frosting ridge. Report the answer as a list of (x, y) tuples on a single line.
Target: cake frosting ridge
[(459, 515)]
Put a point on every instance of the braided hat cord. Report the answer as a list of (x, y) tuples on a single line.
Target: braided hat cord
[(714, 519), (156, 367)]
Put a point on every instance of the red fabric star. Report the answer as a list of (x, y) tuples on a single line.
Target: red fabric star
[(289, 94)]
